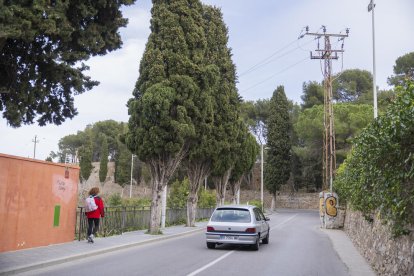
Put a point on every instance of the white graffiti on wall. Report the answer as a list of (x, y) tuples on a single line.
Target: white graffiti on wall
[(62, 187)]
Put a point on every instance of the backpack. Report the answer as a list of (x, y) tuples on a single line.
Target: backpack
[(90, 204)]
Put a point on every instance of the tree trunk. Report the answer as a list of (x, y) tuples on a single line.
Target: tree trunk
[(155, 219), (2, 43), (235, 191), (221, 186), (273, 205), (197, 172), (191, 209), (161, 168)]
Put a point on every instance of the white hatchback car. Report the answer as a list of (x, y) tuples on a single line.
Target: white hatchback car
[(237, 224)]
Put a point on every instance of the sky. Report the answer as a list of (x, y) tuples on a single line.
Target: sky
[(263, 35)]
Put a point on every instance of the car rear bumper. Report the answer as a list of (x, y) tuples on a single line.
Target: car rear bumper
[(231, 238)]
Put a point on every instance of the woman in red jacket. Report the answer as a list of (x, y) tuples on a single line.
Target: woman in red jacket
[(94, 216)]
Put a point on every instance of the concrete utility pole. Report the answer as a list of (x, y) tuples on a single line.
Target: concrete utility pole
[(371, 7), (164, 206), (261, 175), (132, 169), (35, 141), (328, 54)]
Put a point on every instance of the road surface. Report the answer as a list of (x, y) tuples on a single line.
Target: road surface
[(297, 247)]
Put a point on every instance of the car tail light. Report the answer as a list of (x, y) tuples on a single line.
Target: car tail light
[(210, 229), (251, 230)]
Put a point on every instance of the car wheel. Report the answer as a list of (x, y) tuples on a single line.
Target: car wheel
[(266, 240), (211, 245), (256, 245)]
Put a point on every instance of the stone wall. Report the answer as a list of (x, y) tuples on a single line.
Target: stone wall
[(386, 255), (298, 201), (283, 200)]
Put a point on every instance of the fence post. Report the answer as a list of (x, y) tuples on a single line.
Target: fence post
[(123, 219), (103, 224), (80, 223)]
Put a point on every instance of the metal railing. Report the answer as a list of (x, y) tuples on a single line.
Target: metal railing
[(118, 220)]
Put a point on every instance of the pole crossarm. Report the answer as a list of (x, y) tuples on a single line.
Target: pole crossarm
[(325, 34), (332, 51), (324, 56)]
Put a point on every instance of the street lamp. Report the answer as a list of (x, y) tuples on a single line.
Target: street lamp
[(371, 7), (132, 169), (261, 174)]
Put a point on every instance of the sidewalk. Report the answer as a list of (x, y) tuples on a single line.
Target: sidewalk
[(347, 252), (28, 259)]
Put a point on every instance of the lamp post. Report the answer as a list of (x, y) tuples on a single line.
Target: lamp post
[(371, 8), (132, 169), (261, 174), (164, 206)]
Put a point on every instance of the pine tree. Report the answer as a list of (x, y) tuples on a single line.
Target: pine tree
[(162, 110), (277, 168), (103, 164), (42, 45)]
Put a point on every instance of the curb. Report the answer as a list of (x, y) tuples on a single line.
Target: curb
[(62, 260)]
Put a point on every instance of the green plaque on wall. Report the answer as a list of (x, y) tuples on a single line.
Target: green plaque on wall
[(56, 217)]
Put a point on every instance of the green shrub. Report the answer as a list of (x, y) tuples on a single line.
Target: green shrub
[(178, 194), (136, 202), (378, 174), (256, 203), (206, 198), (179, 191), (114, 200)]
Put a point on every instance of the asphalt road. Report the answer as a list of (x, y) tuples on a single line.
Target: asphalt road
[(297, 247)]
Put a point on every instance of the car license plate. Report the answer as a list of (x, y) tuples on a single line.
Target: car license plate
[(229, 237)]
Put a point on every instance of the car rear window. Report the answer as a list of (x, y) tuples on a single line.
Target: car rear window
[(231, 215)]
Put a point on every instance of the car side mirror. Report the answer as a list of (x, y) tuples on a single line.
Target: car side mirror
[(267, 218)]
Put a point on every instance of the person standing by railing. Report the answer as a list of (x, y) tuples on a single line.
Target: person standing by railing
[(94, 216)]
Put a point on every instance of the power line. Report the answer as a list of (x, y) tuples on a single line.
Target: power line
[(259, 65), (265, 60), (277, 73)]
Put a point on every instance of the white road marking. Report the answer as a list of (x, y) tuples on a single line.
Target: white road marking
[(212, 263), (231, 252), (283, 222)]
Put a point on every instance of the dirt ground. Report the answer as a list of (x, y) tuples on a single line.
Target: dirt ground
[(109, 187)]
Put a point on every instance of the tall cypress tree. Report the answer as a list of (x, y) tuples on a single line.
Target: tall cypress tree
[(162, 110), (103, 164), (226, 102), (218, 74), (85, 160), (277, 169)]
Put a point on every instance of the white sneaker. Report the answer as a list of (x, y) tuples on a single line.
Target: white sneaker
[(90, 238)]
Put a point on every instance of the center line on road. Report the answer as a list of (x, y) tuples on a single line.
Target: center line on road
[(283, 222), (210, 264)]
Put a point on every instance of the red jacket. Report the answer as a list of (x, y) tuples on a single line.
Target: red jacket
[(98, 212)]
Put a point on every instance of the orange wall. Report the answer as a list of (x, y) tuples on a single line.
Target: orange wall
[(29, 191)]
